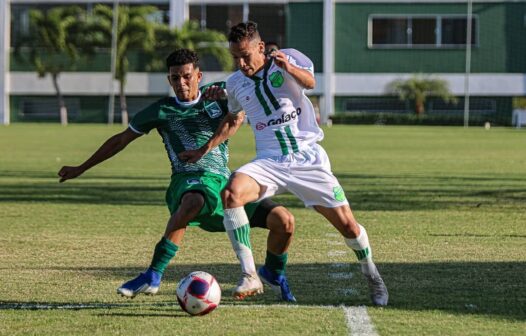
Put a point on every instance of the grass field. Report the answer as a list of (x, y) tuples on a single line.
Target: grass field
[(445, 209)]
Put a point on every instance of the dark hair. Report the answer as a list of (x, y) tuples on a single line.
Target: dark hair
[(271, 43), (244, 30), (269, 51), (181, 57)]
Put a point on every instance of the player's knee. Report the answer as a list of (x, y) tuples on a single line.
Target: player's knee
[(280, 219), (231, 198), (288, 221), (350, 228), (192, 200)]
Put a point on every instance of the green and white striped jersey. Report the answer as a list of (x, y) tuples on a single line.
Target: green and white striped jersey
[(186, 126), (282, 117)]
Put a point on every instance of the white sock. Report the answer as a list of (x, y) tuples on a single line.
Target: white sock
[(362, 249), (238, 229)]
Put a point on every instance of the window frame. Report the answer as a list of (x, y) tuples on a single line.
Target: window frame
[(438, 31)]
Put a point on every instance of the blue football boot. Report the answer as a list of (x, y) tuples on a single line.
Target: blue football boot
[(147, 283), (277, 282)]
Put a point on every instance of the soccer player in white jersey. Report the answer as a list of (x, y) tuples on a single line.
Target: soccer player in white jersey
[(271, 91)]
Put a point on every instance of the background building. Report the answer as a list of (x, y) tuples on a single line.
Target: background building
[(358, 47)]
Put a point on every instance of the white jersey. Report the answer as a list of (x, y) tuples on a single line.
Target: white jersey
[(282, 117)]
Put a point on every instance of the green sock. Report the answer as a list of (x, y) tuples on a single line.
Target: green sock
[(276, 263), (164, 252)]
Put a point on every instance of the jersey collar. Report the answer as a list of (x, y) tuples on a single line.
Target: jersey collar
[(190, 103), (267, 66)]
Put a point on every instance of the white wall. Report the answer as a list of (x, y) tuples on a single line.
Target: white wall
[(345, 84)]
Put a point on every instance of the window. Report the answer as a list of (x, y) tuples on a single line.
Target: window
[(423, 31), (454, 31), (420, 31), (270, 18), (390, 31)]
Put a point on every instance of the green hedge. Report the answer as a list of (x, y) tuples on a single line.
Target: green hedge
[(359, 118)]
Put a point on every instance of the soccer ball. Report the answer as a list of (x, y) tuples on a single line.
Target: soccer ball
[(198, 293)]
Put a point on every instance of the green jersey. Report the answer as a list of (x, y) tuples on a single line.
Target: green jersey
[(185, 127)]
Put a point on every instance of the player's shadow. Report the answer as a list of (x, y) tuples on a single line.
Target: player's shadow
[(93, 189), (366, 192), (126, 309), (477, 288), (410, 192)]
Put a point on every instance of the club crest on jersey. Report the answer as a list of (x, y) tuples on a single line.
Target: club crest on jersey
[(339, 194), (276, 79), (213, 110), (193, 181)]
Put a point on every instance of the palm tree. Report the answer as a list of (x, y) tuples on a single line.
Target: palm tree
[(53, 45), (418, 88), (191, 36), (135, 31)]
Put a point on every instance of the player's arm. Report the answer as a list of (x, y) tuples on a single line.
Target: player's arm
[(108, 149), (304, 77), (228, 127)]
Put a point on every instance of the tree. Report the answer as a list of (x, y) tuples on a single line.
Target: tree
[(418, 88), (191, 36), (53, 45), (135, 31)]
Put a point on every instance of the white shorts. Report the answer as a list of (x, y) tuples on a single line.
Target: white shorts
[(307, 174)]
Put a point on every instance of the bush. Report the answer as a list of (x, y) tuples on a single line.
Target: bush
[(364, 118)]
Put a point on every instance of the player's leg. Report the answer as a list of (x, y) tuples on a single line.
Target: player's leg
[(312, 180), (356, 238), (280, 223), (150, 281), (240, 190)]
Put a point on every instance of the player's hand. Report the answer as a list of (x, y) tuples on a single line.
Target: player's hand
[(68, 172), (214, 92), (191, 156), (280, 59)]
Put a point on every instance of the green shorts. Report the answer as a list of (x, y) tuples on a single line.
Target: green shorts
[(210, 218)]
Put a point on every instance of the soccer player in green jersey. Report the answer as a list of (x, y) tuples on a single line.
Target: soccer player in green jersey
[(185, 122)]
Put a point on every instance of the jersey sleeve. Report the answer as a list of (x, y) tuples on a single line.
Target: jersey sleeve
[(298, 59), (147, 119), (233, 104), (221, 84)]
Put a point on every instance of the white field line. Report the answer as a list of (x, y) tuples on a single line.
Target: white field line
[(349, 292), (336, 242), (284, 306), (340, 265), (336, 253), (332, 235), (358, 321), (65, 306), (340, 275)]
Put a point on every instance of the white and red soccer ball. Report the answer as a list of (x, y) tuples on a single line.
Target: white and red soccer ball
[(198, 293)]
